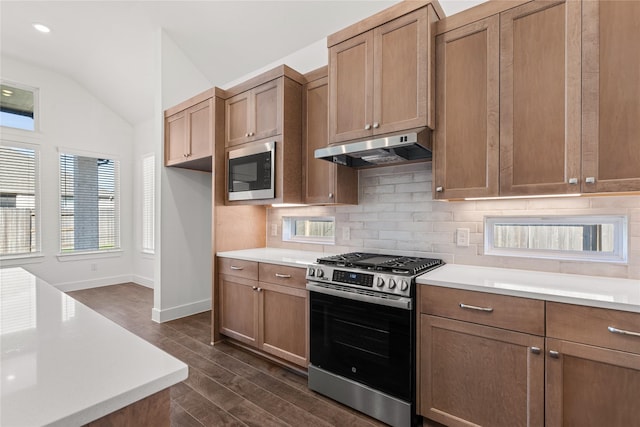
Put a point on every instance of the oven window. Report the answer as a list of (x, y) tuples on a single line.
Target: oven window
[(365, 342)]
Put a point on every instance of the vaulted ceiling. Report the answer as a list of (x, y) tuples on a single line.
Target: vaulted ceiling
[(108, 46)]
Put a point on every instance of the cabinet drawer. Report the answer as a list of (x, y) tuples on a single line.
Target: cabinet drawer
[(513, 313), (590, 325), (282, 275), (238, 268)]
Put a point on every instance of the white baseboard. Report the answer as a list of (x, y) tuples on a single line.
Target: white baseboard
[(94, 283), (167, 314), (142, 281)]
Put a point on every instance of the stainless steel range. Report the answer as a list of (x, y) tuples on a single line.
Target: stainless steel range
[(362, 337)]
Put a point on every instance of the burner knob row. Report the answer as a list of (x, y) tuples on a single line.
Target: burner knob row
[(317, 272), (404, 285)]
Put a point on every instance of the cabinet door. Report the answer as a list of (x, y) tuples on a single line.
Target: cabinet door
[(611, 96), (237, 119), (400, 73), (176, 137), (480, 375), (591, 386), (319, 175), (239, 308), (266, 114), (467, 111), (200, 130), (351, 88), (284, 322), (540, 104)]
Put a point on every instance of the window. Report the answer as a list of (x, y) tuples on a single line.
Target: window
[(18, 200), (319, 230), (587, 238), (148, 203), (89, 204), (18, 106)]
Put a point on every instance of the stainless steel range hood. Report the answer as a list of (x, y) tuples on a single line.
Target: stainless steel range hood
[(409, 146)]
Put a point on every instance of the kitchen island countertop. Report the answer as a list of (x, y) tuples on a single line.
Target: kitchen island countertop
[(64, 364), (592, 291)]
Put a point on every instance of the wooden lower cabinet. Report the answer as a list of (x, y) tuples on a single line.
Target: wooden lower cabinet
[(591, 386), (473, 374), (270, 314)]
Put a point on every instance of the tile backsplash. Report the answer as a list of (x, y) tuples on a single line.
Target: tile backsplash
[(397, 214)]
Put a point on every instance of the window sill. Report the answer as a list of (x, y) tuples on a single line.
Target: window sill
[(17, 260), (78, 256)]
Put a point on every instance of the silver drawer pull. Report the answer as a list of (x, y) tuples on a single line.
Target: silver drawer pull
[(535, 350), (283, 276), (554, 354), (623, 332), (475, 307), (233, 267)]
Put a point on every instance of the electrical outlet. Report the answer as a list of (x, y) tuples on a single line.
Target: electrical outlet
[(462, 237), (274, 229), (346, 233)]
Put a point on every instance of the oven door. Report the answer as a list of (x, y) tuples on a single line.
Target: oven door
[(365, 342), (251, 172)]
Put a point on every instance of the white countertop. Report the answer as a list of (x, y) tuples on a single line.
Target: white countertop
[(619, 294), (292, 258), (63, 364)]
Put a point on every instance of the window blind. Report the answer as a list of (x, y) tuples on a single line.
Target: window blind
[(18, 178), (89, 203), (148, 203)]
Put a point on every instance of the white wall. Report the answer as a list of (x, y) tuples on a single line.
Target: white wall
[(397, 214), (182, 268), (72, 118)]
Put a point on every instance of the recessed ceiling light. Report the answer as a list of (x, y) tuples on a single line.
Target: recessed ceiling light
[(42, 28)]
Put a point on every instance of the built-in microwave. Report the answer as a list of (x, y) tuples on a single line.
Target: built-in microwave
[(251, 171)]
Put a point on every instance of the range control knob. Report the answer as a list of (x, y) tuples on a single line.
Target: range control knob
[(380, 282), (312, 272), (392, 284), (319, 273), (404, 285)]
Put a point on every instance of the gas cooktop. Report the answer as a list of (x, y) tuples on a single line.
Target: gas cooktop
[(405, 265)]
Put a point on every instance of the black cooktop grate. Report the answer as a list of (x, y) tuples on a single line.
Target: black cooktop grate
[(380, 262)]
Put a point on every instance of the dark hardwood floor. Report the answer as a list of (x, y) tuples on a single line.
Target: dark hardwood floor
[(227, 386)]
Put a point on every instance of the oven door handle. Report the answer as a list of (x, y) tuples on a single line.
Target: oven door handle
[(397, 302)]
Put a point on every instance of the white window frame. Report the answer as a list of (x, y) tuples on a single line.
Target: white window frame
[(90, 254), (36, 106), (289, 232), (38, 221), (619, 222)]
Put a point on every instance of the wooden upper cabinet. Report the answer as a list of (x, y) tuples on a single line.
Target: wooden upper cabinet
[(351, 88), (324, 182), (380, 80), (540, 98), (190, 128), (255, 114), (466, 147), (610, 96)]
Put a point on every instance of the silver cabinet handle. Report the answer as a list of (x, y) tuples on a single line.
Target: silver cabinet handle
[(246, 134), (233, 267), (573, 181), (590, 180), (252, 133), (259, 289), (535, 350), (439, 189), (331, 195), (255, 288), (622, 332), (283, 276), (376, 125), (475, 307), (185, 155), (554, 354), (367, 126)]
